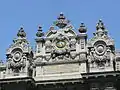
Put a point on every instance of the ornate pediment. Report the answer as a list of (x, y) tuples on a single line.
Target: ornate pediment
[(19, 53), (64, 27), (100, 48), (61, 53), (58, 47), (61, 43)]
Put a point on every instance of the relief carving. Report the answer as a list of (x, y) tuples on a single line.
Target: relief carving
[(100, 51), (102, 58), (19, 54)]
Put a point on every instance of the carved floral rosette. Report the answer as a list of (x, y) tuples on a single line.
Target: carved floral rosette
[(100, 53), (17, 59)]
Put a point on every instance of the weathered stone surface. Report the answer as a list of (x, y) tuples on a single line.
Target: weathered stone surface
[(62, 59)]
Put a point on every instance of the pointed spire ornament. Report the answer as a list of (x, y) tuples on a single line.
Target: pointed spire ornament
[(61, 22), (82, 28), (100, 25), (40, 32), (21, 33)]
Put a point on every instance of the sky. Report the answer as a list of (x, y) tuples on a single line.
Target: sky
[(32, 13)]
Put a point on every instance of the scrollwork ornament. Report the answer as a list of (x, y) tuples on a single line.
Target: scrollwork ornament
[(99, 60), (9, 61), (72, 44), (18, 64)]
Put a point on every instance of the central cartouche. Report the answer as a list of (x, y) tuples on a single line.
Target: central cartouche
[(60, 44)]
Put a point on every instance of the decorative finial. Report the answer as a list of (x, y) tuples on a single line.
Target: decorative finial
[(101, 31), (100, 25), (51, 28), (82, 28), (21, 33), (39, 33), (61, 22), (61, 16)]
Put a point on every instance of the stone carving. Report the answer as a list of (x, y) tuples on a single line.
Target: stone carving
[(62, 56), (18, 54), (99, 59), (61, 46), (65, 45), (16, 61), (100, 51), (49, 46), (40, 33), (69, 28), (73, 44), (21, 33), (61, 22), (82, 28)]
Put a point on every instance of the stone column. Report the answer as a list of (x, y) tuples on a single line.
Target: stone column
[(82, 39)]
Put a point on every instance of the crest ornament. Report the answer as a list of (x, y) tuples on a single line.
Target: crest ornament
[(19, 54), (61, 22), (100, 51)]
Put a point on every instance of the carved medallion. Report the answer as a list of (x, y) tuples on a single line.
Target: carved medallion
[(100, 47), (17, 56), (60, 43)]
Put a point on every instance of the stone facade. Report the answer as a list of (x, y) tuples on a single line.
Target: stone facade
[(63, 59)]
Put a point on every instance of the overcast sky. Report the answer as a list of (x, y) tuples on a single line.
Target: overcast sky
[(31, 13)]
